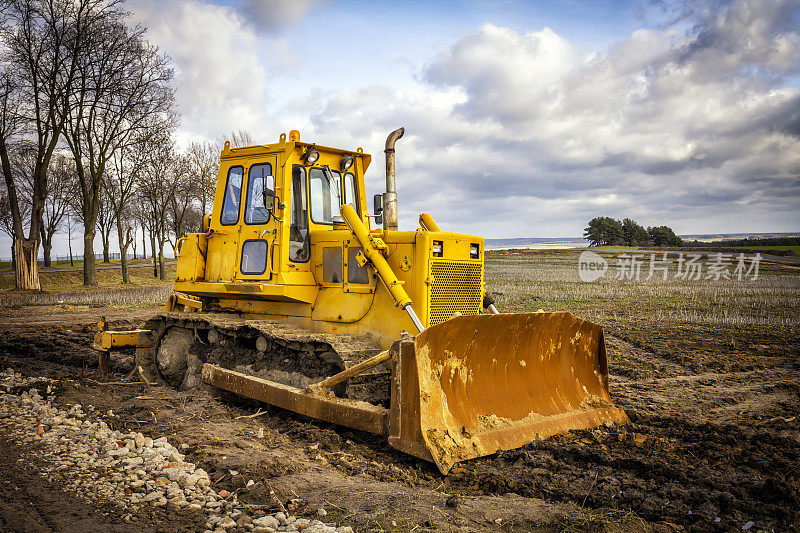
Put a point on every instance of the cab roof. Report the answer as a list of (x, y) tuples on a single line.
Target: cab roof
[(284, 146)]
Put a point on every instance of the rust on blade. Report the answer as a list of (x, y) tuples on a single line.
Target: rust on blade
[(474, 385), (317, 404)]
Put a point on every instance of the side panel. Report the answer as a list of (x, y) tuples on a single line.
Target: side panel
[(191, 258)]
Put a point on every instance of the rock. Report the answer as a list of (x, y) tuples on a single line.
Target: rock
[(224, 493), (321, 512), (134, 461), (226, 523), (118, 452), (295, 504), (267, 522), (152, 496), (139, 440), (173, 474)]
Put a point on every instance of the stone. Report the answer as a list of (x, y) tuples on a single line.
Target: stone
[(156, 494), (266, 522), (227, 523), (134, 461), (118, 452)]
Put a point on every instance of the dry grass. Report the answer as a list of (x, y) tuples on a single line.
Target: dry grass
[(525, 281), (66, 287)]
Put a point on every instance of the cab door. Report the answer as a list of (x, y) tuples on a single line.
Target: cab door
[(258, 233)]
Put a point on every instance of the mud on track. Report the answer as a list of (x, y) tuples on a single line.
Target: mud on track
[(705, 443)]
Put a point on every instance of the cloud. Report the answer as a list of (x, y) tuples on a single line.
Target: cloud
[(508, 132), (271, 16), (219, 76)]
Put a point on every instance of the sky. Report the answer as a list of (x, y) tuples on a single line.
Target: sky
[(522, 119)]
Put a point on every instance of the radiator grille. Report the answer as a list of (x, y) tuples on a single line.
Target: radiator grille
[(456, 287)]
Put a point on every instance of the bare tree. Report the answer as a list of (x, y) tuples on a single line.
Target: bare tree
[(61, 186), (120, 187), (105, 219), (7, 221), (123, 86), (156, 190), (42, 42), (238, 138), (184, 213), (204, 165), (72, 225), (131, 217)]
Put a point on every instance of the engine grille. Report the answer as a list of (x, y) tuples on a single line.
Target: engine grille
[(456, 287)]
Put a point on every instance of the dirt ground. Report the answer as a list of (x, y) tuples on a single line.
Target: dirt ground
[(713, 444)]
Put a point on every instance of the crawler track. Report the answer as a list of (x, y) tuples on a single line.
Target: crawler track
[(181, 342)]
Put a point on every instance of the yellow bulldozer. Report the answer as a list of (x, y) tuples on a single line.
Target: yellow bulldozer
[(296, 296)]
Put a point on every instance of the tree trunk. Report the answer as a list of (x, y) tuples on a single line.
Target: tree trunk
[(123, 252), (153, 249), (161, 261), (144, 245), (106, 246), (71, 261), (27, 269), (47, 245), (89, 266), (13, 255)]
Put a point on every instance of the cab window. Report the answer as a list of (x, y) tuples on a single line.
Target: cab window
[(233, 195), (260, 194), (299, 250), (350, 194), (325, 195)]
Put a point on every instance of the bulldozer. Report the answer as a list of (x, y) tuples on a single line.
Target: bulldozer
[(295, 295)]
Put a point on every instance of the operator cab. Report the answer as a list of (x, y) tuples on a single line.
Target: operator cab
[(271, 199)]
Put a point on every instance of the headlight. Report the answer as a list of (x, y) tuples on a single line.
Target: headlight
[(346, 163), (437, 248), (474, 251), (311, 156)]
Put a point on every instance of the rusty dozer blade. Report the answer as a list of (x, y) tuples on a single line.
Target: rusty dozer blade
[(474, 385)]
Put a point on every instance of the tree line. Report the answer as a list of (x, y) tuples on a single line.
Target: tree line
[(87, 116), (606, 231)]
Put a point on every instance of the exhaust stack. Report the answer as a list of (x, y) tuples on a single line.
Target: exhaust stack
[(390, 196)]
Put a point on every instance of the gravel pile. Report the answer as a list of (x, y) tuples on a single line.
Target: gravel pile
[(125, 469)]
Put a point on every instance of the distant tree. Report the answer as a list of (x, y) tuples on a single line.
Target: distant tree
[(204, 164), (71, 222), (604, 231), (106, 217), (157, 187), (120, 186), (61, 187), (238, 139), (633, 234), (184, 212), (663, 236)]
